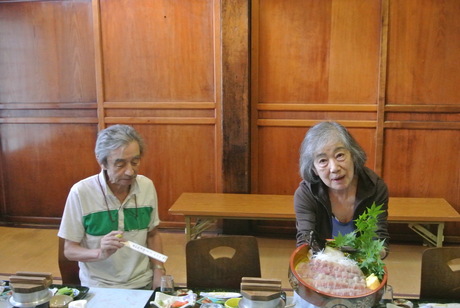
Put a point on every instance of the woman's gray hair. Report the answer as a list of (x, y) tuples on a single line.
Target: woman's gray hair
[(317, 137), (114, 137)]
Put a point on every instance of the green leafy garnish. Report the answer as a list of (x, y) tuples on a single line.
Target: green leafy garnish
[(364, 243), (65, 291)]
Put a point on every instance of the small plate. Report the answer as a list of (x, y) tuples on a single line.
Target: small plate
[(220, 295), (164, 300), (60, 301), (79, 291)]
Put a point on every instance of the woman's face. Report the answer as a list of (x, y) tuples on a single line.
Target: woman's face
[(334, 165)]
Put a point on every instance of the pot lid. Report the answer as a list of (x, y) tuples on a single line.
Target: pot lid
[(260, 289)]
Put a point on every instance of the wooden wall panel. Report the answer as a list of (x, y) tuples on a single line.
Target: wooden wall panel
[(40, 163), (424, 163), (48, 119), (161, 73), (423, 52), (179, 158), (290, 67), (422, 110), (318, 51), (354, 52), (47, 52), (235, 97), (158, 50), (279, 158)]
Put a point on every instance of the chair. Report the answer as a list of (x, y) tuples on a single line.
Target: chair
[(440, 273), (69, 269), (221, 262)]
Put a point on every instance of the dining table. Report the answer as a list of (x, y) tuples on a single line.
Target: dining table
[(107, 298), (123, 298)]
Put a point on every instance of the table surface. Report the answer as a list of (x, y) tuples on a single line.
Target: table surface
[(110, 298), (122, 298), (258, 206)]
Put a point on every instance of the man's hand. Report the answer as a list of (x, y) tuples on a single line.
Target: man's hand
[(110, 243)]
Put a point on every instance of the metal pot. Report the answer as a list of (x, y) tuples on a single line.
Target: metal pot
[(33, 299), (322, 299)]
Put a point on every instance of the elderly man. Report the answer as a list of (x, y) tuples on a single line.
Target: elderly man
[(113, 206)]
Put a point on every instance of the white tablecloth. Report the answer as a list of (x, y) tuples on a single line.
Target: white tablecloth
[(110, 298)]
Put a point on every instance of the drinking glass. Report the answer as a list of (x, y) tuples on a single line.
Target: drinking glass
[(387, 295), (167, 284)]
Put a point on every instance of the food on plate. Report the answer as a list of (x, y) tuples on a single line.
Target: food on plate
[(163, 300), (333, 274), (178, 304), (354, 271), (67, 291), (216, 297), (183, 292), (363, 245), (372, 282)]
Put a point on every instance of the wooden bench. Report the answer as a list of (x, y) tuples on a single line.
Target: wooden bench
[(206, 208)]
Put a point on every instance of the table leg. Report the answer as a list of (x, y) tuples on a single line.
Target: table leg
[(201, 225), (440, 235), (433, 239), (188, 228)]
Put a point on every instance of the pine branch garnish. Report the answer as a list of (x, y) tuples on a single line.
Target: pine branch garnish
[(363, 243)]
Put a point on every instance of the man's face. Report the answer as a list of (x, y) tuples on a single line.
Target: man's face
[(123, 164)]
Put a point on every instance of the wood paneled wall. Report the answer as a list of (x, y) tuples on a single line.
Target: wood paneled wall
[(69, 68), (386, 69), (223, 92), (48, 116)]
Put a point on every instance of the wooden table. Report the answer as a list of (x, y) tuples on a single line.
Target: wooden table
[(206, 208)]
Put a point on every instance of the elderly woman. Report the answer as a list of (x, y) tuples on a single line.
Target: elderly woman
[(108, 208), (336, 189), (336, 186)]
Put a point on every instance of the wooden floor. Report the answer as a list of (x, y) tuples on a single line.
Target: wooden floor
[(27, 249)]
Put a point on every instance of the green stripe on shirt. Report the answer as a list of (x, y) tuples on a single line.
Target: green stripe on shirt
[(100, 223)]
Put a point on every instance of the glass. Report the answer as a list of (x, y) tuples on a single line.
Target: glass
[(167, 284), (387, 295)]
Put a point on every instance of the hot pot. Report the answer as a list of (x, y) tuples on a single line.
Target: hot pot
[(322, 299)]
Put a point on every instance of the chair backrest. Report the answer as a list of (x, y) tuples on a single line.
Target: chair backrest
[(69, 269), (440, 273), (221, 261)]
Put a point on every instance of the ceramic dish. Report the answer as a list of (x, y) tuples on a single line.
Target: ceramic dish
[(323, 299), (60, 301), (164, 300), (79, 292)]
